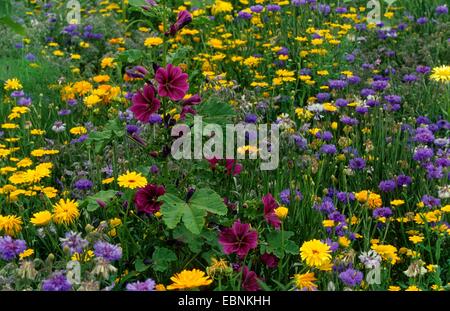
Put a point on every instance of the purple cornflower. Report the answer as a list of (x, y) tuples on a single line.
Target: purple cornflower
[(326, 206), (382, 212), (349, 121), (256, 8), (337, 84), (17, 94), (387, 185), (367, 92), (57, 282), (340, 102), (74, 242), (350, 58), (30, 57), (434, 172), (422, 120), (107, 251), (430, 201), (273, 7), (322, 97), (251, 118), (328, 149), (422, 20), (423, 69), (10, 248), (393, 99), (244, 15), (80, 139), (64, 112), (24, 101), (300, 141), (442, 9), (403, 180), (354, 79), (132, 128), (423, 154), (83, 184), (424, 135), (285, 196), (379, 85), (410, 78), (357, 164), (147, 286), (351, 277), (155, 119)]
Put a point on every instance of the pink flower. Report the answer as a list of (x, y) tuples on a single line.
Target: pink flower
[(269, 211), (146, 199), (145, 103), (172, 82), (238, 239)]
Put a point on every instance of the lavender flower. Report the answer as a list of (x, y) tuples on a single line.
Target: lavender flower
[(351, 277), (147, 286), (107, 251), (10, 248), (83, 184), (74, 242), (58, 282)]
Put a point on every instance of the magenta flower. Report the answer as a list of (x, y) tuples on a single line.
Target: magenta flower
[(187, 106), (146, 199), (233, 167), (250, 280), (238, 239), (145, 103), (269, 211), (172, 82), (183, 18), (270, 260)]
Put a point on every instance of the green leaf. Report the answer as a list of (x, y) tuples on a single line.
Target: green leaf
[(172, 210), (104, 195), (137, 3), (279, 243), (5, 8), (140, 266), (214, 111), (162, 257), (192, 213), (184, 235), (16, 27), (193, 218), (131, 56)]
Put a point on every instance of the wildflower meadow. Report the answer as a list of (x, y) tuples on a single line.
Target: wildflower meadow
[(224, 145)]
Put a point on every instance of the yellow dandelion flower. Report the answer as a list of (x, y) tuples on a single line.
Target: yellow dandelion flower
[(41, 218), (12, 85), (10, 224), (441, 74), (65, 211)]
